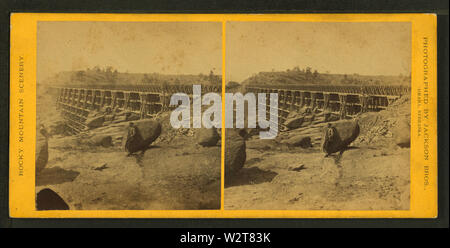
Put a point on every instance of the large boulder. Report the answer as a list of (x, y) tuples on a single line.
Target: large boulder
[(146, 131), (402, 134), (48, 199), (294, 120), (298, 140), (127, 115), (338, 135), (41, 151), (206, 136), (235, 153), (243, 132), (95, 122)]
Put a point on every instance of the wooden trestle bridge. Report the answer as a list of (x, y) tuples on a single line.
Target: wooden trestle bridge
[(344, 101), (76, 102)]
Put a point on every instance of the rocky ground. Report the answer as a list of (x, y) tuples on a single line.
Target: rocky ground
[(178, 173), (174, 173), (373, 174)]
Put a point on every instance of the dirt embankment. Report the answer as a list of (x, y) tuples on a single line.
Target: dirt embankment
[(165, 177), (373, 173)]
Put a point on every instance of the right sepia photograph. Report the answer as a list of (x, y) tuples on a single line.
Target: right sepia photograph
[(317, 116)]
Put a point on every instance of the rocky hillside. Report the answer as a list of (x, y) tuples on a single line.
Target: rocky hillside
[(108, 76), (297, 76)]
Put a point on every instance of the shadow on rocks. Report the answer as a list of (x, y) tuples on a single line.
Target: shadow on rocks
[(252, 175), (138, 156), (55, 175)]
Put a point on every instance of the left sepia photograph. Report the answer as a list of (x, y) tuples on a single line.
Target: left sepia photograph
[(106, 138)]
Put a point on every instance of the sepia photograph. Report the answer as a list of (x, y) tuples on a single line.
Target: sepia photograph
[(223, 116), (327, 117), (105, 134), (308, 114)]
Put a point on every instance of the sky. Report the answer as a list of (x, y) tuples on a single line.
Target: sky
[(251, 47), (162, 47), (342, 48)]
